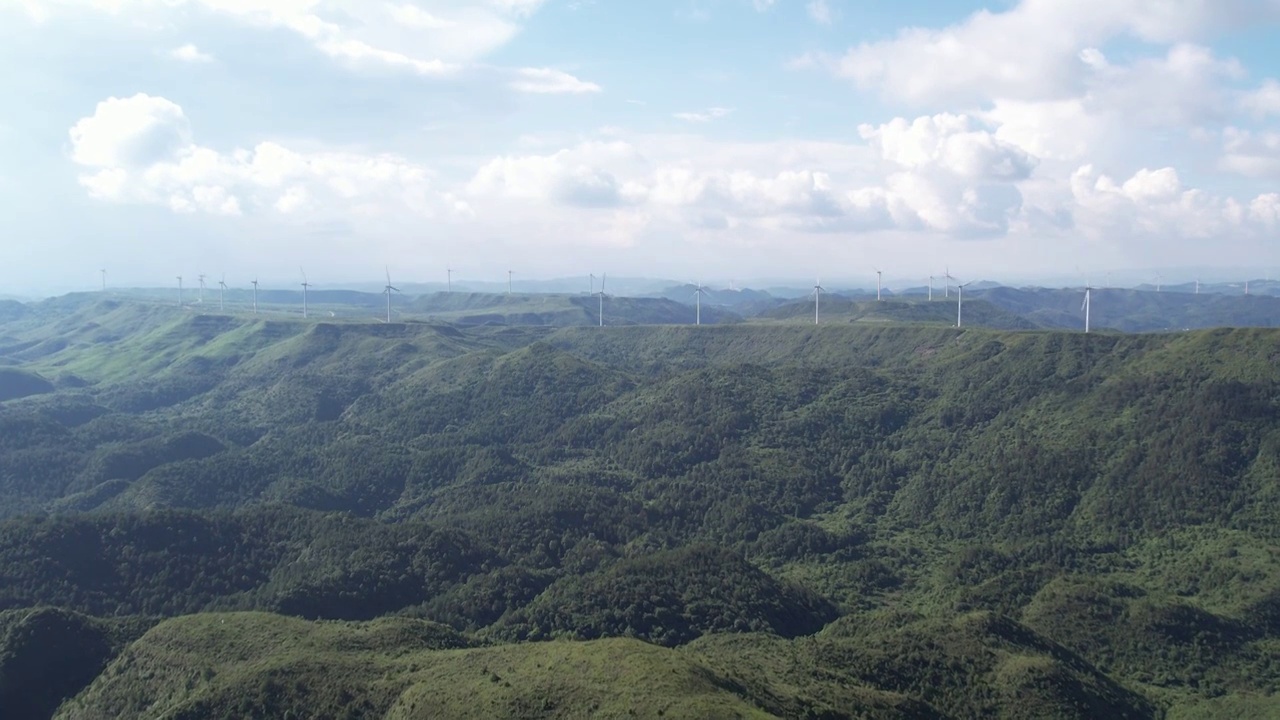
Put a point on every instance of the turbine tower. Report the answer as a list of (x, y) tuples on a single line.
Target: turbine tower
[(305, 285), (817, 298), (1246, 287), (255, 296), (179, 291), (1158, 279), (960, 301), (387, 291), (512, 272), (930, 288), (104, 279), (600, 294), (448, 279), (948, 277), (1085, 306), (1197, 286), (222, 289), (698, 291), (201, 279), (593, 283), (878, 273)]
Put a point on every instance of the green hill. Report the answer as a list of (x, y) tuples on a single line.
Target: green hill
[(838, 309), (558, 310), (985, 522), (264, 666)]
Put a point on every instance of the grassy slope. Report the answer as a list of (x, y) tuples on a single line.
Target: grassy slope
[(236, 665)]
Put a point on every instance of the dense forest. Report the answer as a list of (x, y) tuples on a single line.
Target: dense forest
[(230, 515)]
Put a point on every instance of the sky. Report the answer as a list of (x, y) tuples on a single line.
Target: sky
[(685, 139)]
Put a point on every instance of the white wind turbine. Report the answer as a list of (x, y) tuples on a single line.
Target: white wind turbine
[(305, 285), (593, 283), (104, 279), (1086, 306), (512, 272), (387, 291), (179, 291), (948, 277), (201, 279), (255, 296), (878, 274), (930, 288), (960, 301), (698, 291), (222, 289), (600, 294), (817, 297), (1158, 279), (448, 279)]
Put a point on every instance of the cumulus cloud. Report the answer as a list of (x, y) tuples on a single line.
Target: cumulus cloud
[(190, 53), (1154, 204), (140, 150), (130, 133), (936, 174)]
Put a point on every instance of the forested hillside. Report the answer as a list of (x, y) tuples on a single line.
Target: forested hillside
[(887, 517)]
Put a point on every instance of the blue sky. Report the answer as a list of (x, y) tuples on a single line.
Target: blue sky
[(692, 138)]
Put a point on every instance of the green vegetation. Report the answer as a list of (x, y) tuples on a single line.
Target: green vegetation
[(881, 516)]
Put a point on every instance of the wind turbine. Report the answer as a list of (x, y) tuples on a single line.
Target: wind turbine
[(255, 296), (1088, 290), (947, 275), (1246, 287), (1197, 286), (104, 279), (1158, 279), (603, 277), (179, 291), (593, 283), (201, 279), (448, 278), (960, 301), (305, 285), (388, 290), (817, 297), (698, 291), (222, 289), (878, 284), (512, 272), (930, 288)]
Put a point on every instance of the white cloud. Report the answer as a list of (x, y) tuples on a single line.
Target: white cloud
[(140, 150), (1263, 101), (1153, 204), (1037, 50), (1252, 154), (703, 116), (130, 133), (936, 174), (819, 11), (548, 81), (429, 37), (190, 53)]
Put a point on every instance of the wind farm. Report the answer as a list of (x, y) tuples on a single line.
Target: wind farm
[(1153, 307)]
